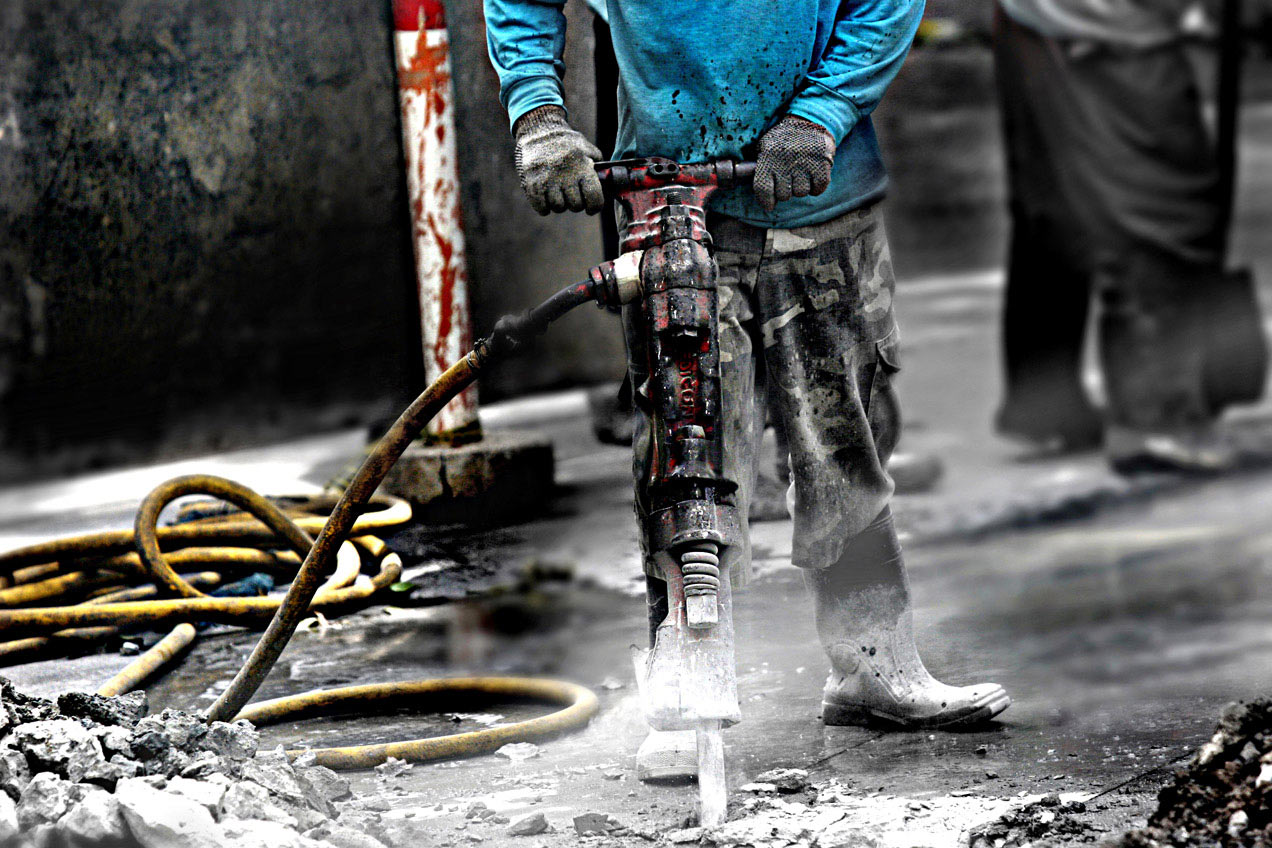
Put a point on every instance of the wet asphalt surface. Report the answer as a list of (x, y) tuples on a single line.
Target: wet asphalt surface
[(1121, 638), (1120, 635)]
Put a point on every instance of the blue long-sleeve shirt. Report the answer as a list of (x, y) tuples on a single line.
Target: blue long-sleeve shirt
[(705, 79)]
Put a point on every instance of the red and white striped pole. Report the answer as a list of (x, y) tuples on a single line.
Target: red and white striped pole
[(432, 178)]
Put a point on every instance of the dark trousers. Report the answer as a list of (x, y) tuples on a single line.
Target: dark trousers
[(1114, 189)]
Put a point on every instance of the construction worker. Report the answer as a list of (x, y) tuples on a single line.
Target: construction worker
[(805, 287), (1116, 190)]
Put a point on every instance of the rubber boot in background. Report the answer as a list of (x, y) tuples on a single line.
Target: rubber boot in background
[(1152, 342)]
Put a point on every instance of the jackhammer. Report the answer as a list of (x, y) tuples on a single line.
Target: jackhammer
[(687, 680)]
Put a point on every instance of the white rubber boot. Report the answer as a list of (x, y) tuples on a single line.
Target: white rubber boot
[(668, 755), (865, 624)]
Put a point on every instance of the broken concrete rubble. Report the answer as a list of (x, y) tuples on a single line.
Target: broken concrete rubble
[(595, 823), (392, 767), (784, 779), (273, 771), (328, 784), (204, 792), (156, 818), (20, 708), (45, 800), (8, 819), (90, 770), (1048, 818), (342, 836), (123, 711), (61, 746), (97, 820), (169, 729), (231, 740), (1220, 797), (840, 818), (264, 834), (518, 751), (15, 774), (531, 825)]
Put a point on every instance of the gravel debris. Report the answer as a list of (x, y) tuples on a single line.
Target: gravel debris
[(518, 751), (1223, 796), (784, 779), (90, 770), (595, 823), (391, 768), (1048, 818), (840, 817), (531, 825)]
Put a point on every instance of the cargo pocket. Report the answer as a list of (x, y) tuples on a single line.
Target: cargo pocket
[(882, 408)]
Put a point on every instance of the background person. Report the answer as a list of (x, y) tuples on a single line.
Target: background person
[(1115, 187)]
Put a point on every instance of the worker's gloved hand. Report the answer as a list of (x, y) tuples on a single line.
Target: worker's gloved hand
[(795, 160), (555, 163)]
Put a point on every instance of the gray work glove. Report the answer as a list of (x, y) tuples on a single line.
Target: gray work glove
[(555, 163), (795, 160)]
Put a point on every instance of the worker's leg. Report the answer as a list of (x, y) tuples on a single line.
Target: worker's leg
[(1124, 128), (1160, 272), (1045, 311), (667, 755), (830, 346), (1049, 265)]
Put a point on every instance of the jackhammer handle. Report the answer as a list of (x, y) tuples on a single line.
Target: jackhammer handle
[(648, 172)]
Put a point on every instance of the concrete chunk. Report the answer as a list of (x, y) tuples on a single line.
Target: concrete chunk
[(531, 825), (254, 833), (341, 836), (121, 711), (15, 774), (8, 820), (233, 740), (785, 779), (62, 746), (248, 800), (45, 800), (96, 820), (202, 792), (327, 783), (160, 819)]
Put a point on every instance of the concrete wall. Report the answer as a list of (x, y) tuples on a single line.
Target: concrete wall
[(203, 234)]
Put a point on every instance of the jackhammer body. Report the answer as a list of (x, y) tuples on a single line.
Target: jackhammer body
[(688, 678)]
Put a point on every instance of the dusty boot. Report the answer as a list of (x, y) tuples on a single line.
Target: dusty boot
[(864, 622), (667, 755), (1153, 351), (1197, 450)]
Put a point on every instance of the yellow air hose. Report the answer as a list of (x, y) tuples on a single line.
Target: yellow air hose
[(91, 573)]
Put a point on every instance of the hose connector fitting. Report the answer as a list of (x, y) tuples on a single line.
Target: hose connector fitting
[(618, 281)]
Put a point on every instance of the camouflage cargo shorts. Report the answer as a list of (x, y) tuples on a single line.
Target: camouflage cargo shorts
[(806, 331)]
